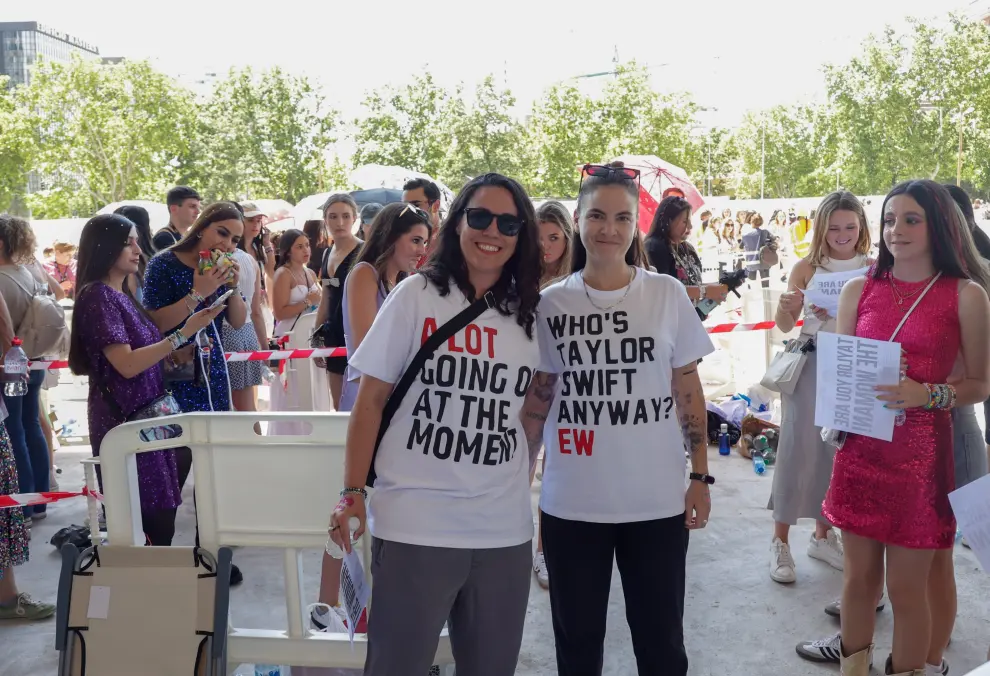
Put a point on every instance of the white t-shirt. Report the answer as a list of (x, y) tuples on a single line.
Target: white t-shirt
[(614, 448), (453, 467)]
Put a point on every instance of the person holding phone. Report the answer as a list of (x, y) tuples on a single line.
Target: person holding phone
[(117, 345)]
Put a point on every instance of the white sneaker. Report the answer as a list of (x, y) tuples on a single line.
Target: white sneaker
[(540, 568), (825, 651), (333, 621), (940, 670), (828, 550), (781, 563)]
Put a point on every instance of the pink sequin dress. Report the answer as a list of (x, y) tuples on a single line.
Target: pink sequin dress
[(897, 492)]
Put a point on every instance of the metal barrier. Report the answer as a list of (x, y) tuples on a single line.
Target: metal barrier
[(252, 490)]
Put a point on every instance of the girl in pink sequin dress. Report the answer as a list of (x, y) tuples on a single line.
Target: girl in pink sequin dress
[(891, 498)]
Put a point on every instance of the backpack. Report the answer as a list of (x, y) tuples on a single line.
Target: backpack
[(43, 329)]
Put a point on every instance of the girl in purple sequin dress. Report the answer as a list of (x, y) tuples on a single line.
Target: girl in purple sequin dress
[(891, 498), (116, 344)]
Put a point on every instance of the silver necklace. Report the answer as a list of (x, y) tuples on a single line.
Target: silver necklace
[(632, 275)]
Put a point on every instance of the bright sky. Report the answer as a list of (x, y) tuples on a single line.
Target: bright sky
[(731, 55)]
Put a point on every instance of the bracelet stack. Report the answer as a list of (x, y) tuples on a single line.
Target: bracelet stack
[(356, 491), (941, 397), (177, 339), (196, 299)]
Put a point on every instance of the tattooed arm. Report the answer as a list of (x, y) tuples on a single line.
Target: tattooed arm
[(692, 414), (534, 413)]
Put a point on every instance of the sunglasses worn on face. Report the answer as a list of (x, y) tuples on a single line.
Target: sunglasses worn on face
[(480, 219)]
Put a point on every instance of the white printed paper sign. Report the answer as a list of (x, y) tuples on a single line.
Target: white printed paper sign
[(354, 589), (825, 287), (848, 370), (971, 505)]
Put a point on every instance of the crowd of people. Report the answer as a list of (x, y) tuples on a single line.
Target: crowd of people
[(498, 342)]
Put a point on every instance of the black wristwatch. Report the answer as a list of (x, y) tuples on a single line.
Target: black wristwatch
[(703, 478)]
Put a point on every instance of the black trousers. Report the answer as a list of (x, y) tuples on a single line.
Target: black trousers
[(651, 556)]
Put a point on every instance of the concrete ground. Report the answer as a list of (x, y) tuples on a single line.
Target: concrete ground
[(737, 621)]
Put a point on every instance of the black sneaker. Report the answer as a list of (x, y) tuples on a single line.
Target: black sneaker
[(235, 575)]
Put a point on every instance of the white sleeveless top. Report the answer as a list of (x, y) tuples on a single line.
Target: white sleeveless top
[(811, 324), (249, 277)]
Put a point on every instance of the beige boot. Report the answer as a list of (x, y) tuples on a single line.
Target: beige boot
[(858, 664), (889, 669)]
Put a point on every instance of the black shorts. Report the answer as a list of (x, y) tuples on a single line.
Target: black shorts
[(337, 365)]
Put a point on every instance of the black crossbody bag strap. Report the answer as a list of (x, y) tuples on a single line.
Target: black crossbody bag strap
[(436, 339)]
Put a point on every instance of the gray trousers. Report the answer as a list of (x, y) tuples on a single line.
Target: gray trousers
[(969, 450), (482, 594)]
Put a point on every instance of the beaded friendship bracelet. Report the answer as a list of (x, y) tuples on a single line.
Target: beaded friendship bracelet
[(940, 396)]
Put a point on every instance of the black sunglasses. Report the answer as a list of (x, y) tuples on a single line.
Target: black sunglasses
[(611, 173), (415, 211), (480, 219)]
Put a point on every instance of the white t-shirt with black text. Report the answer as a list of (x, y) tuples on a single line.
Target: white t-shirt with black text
[(614, 448), (453, 467)]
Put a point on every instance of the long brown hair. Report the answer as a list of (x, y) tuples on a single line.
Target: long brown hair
[(556, 213), (841, 200), (214, 213), (391, 223)]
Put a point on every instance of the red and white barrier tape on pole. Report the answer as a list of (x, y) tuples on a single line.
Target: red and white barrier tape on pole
[(28, 499), (280, 355)]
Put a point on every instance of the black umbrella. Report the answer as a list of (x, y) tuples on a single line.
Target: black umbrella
[(379, 195)]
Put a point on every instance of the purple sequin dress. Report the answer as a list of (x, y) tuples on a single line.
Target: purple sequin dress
[(897, 492), (112, 319)]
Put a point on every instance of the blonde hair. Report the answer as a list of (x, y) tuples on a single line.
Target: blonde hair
[(842, 200), (555, 212)]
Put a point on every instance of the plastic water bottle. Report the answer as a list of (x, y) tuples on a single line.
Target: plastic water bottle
[(267, 670), (759, 466), (333, 549), (723, 440), (15, 362)]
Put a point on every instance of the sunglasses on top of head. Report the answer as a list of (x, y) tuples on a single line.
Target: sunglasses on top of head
[(602, 171), (480, 219), (415, 211)]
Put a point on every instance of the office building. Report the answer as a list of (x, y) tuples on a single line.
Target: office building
[(23, 44)]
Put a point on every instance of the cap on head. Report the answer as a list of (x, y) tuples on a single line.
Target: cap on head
[(251, 210), (369, 211)]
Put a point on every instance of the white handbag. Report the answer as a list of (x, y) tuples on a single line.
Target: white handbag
[(785, 367)]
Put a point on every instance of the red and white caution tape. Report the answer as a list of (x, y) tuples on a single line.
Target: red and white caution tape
[(27, 499), (732, 328), (260, 355), (326, 352)]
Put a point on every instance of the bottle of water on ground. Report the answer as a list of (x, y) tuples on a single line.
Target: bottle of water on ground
[(723, 440), (759, 466), (268, 670), (15, 362)]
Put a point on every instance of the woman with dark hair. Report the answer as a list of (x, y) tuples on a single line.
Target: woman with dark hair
[(393, 252), (139, 217), (891, 498), (295, 293), (671, 254), (117, 346), (246, 376), (339, 214), (614, 483), (450, 514), (319, 245), (556, 241)]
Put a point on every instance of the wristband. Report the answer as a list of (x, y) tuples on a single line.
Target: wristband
[(354, 491), (176, 339), (706, 479), (196, 296)]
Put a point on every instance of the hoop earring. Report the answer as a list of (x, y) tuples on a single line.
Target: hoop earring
[(199, 235)]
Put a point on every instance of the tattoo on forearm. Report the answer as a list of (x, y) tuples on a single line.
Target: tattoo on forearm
[(694, 424), (543, 386)]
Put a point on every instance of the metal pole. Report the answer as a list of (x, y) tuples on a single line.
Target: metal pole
[(960, 154), (763, 160), (837, 172)]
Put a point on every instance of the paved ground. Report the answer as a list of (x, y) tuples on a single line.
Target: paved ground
[(738, 622)]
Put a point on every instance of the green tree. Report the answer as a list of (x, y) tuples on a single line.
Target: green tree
[(263, 135), (15, 150), (560, 136), (410, 127), (487, 138), (780, 145), (103, 133)]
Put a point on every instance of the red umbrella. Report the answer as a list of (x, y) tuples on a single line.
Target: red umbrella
[(647, 209), (658, 177)]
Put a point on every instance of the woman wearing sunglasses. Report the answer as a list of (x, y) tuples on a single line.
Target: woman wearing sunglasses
[(450, 514), (618, 349), (393, 251)]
